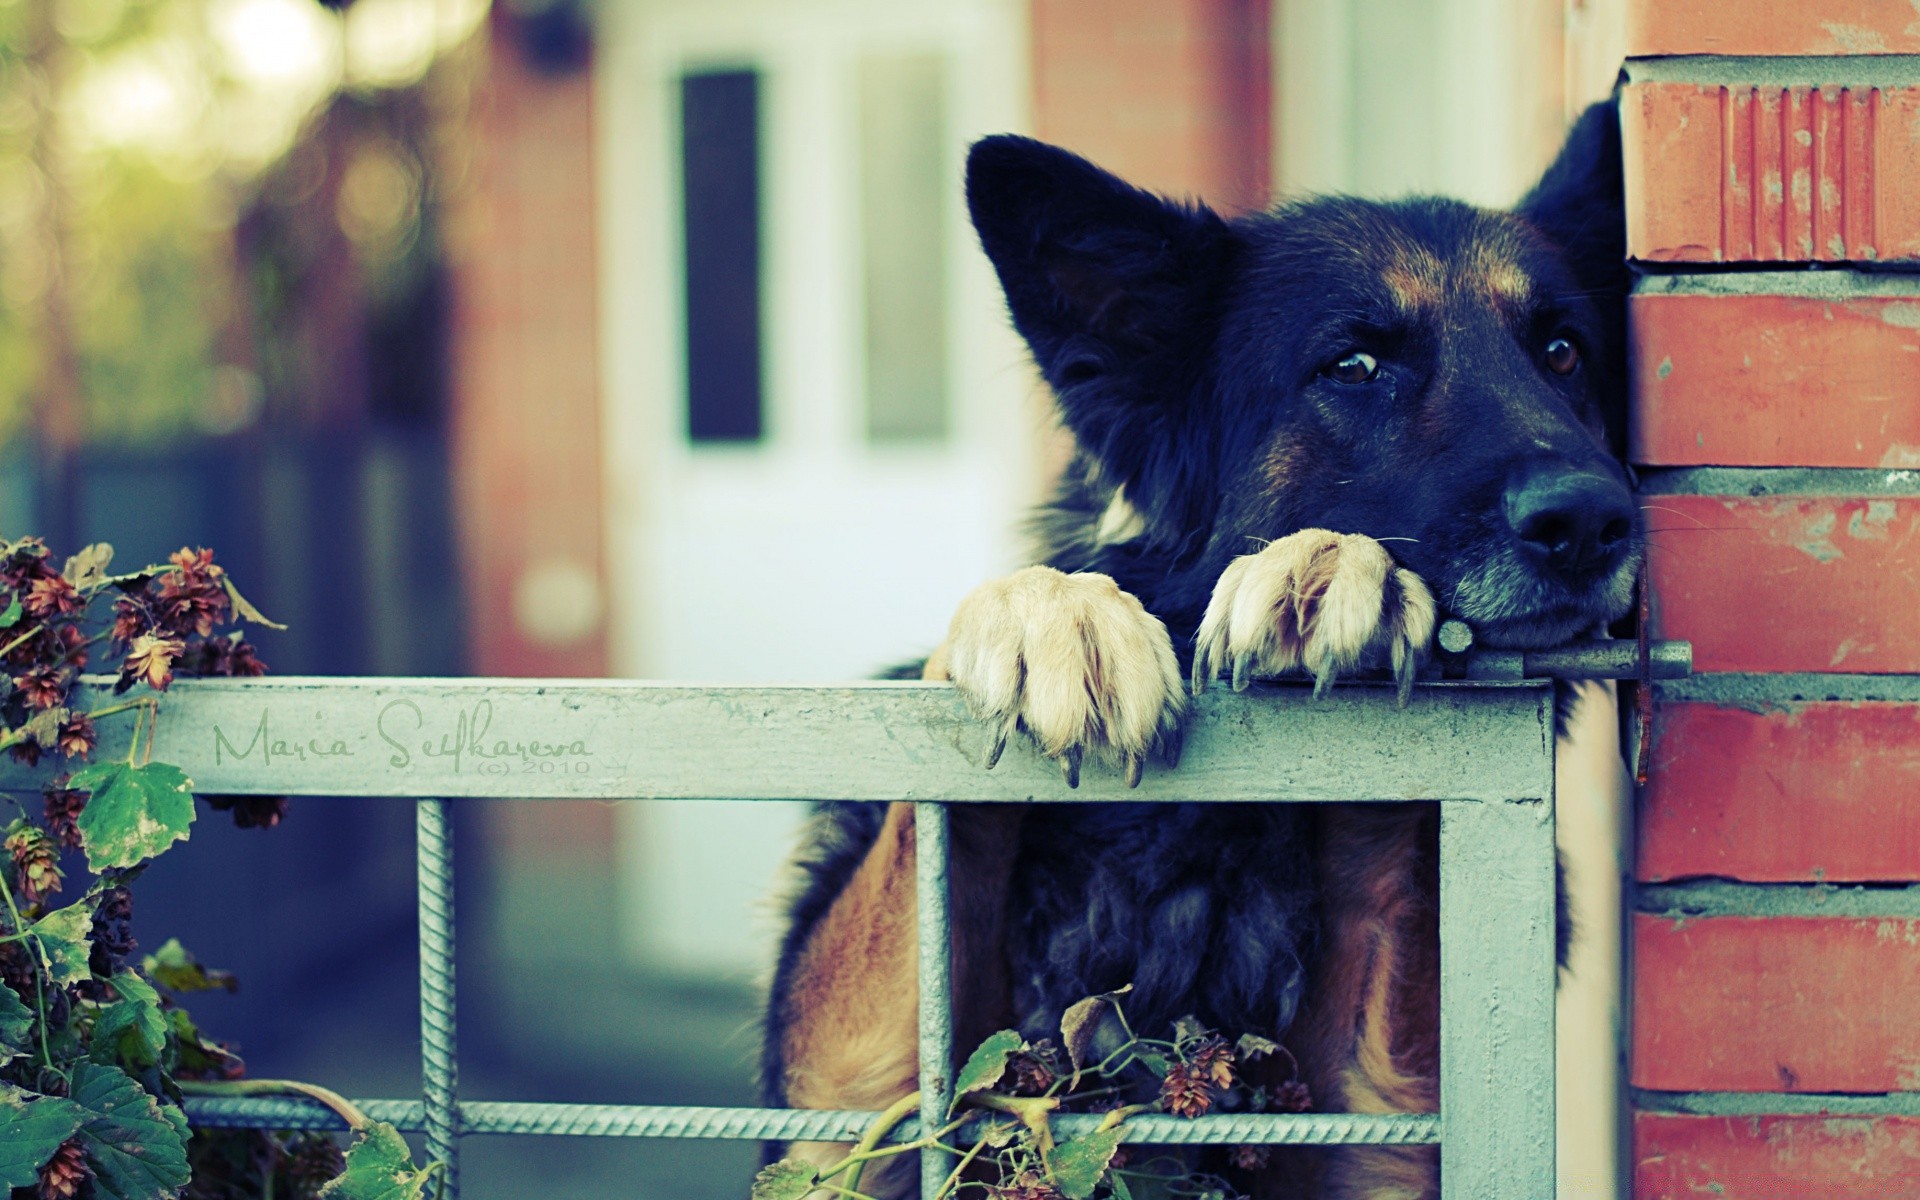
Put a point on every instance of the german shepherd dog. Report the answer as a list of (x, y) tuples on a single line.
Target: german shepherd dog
[(1303, 437)]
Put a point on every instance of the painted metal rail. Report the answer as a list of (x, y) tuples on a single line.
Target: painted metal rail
[(1484, 749)]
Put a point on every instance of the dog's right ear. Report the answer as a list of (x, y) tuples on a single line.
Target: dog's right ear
[(1115, 290)]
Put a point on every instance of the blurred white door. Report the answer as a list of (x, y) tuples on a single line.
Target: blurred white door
[(819, 427)]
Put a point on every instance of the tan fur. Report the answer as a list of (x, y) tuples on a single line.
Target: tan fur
[(1492, 270), (1079, 664), (1369, 1033), (1072, 660), (1322, 601), (1415, 279), (853, 1043)]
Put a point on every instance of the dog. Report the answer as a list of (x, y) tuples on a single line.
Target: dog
[(1303, 437)]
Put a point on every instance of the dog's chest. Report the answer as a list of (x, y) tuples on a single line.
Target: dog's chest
[(1206, 909)]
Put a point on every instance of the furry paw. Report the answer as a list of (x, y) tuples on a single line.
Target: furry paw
[(1325, 602), (1073, 661)]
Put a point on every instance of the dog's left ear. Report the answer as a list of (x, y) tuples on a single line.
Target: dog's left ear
[(1580, 203)]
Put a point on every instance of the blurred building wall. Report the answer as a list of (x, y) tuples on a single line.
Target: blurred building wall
[(526, 428), (1173, 95)]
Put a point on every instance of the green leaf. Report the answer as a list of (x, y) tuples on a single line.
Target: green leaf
[(1078, 1166), (379, 1167), (1120, 1189), (132, 1028), (987, 1064), (173, 968), (134, 812), (11, 617), (16, 1025), (788, 1179), (137, 1145), (31, 1129), (62, 938), (244, 610)]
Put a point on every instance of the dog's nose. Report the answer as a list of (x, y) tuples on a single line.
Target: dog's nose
[(1574, 522)]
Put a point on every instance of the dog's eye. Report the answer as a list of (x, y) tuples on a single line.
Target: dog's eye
[(1563, 357), (1357, 367)]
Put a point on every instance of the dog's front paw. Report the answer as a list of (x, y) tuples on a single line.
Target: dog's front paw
[(1072, 660), (1326, 602)]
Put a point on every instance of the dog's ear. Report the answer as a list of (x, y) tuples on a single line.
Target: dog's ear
[(1115, 290), (1580, 203)]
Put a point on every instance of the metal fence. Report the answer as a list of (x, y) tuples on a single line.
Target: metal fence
[(1483, 749)]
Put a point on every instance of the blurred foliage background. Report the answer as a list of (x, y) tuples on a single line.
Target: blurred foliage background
[(217, 215)]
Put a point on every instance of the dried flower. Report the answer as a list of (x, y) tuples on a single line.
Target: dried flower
[(51, 596), (1250, 1158), (1185, 1092), (1292, 1096), (151, 658), (64, 806), (42, 687), (36, 862), (72, 645), (76, 736), (313, 1163), (1029, 1186), (130, 620), (65, 1173), (26, 561), (1214, 1060), (112, 934), (1028, 1074)]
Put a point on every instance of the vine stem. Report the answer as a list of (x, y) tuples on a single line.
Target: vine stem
[(953, 1180), (349, 1112), (21, 640), (881, 1127), (39, 992)]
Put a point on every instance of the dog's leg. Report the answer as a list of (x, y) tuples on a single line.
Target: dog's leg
[(1326, 602), (1077, 665), (1369, 1032), (853, 1039)]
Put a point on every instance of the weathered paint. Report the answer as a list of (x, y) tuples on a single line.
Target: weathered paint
[(872, 741)]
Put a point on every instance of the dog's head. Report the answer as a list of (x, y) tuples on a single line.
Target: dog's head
[(1446, 379)]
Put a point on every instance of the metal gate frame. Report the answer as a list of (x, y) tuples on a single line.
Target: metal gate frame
[(1484, 750)]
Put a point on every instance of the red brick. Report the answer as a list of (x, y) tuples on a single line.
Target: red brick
[(1776, 380), (1776, 1004), (1788, 583), (1776, 1158), (1814, 792), (1771, 174), (1656, 27)]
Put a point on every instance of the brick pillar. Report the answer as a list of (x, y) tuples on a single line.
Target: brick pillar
[(1776, 979)]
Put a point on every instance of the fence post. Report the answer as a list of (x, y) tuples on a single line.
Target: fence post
[(930, 828), (439, 1066), (1496, 998)]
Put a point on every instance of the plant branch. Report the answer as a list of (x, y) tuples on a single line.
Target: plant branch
[(349, 1112)]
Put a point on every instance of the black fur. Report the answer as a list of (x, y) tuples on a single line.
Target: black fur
[(1188, 354)]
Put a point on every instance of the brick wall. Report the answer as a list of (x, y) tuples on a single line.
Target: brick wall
[(1775, 1047)]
